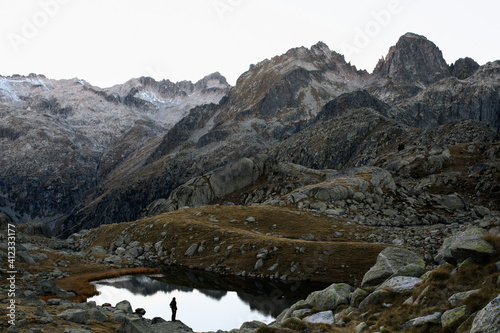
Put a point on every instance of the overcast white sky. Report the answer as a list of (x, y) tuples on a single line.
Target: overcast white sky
[(107, 42)]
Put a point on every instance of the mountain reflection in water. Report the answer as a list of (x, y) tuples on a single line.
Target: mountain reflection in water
[(202, 291)]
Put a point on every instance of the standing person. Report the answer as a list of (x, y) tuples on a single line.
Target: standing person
[(173, 306)]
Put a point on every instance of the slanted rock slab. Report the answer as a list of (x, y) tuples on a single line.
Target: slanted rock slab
[(488, 319), (389, 262), (331, 297)]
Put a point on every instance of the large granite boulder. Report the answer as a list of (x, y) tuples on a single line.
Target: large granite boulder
[(488, 319), (454, 317), (400, 284), (331, 297), (464, 245), (389, 262)]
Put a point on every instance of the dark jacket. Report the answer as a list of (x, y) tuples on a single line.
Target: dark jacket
[(173, 305)]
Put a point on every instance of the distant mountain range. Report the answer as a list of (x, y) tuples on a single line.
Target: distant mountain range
[(77, 156)]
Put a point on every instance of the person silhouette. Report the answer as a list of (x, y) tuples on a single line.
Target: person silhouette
[(173, 306)]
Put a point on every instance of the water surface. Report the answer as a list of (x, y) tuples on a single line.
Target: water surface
[(205, 302)]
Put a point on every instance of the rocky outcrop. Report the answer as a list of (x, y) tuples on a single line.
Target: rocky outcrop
[(488, 319), (202, 190), (413, 60)]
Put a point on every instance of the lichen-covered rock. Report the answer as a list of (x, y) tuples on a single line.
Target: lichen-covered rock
[(488, 319), (331, 297), (454, 317), (467, 244), (389, 262)]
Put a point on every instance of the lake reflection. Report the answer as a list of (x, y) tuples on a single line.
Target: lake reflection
[(206, 302)]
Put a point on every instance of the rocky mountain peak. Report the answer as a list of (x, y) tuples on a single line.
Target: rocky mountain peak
[(413, 59), (464, 68)]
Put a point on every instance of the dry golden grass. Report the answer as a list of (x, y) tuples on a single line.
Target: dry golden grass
[(326, 259)]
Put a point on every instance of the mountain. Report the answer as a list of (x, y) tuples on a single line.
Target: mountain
[(60, 138), (290, 121)]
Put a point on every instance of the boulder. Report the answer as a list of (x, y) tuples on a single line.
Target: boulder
[(191, 250), (458, 298), (400, 284), (44, 316), (376, 297), (135, 325), (358, 296), (124, 306), (75, 315), (331, 297), (452, 202), (389, 262), (49, 288), (287, 313), (251, 325), (454, 317), (324, 317), (488, 319), (467, 244), (172, 327), (97, 315), (434, 318), (98, 250)]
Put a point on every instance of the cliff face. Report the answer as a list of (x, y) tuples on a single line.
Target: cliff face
[(61, 138), (100, 156)]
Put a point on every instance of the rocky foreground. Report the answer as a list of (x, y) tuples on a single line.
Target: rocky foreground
[(402, 289)]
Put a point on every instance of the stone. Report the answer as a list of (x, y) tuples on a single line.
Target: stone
[(251, 325), (75, 315), (389, 262), (113, 259), (400, 284), (135, 325), (250, 219), (467, 244), (434, 318), (319, 206), (258, 264), (98, 250), (97, 315), (287, 313), (331, 297), (191, 250), (376, 297), (360, 327), (324, 317), (173, 327), (488, 319), (124, 306), (358, 296), (140, 311), (452, 202), (44, 315), (454, 317), (262, 254), (49, 288)]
